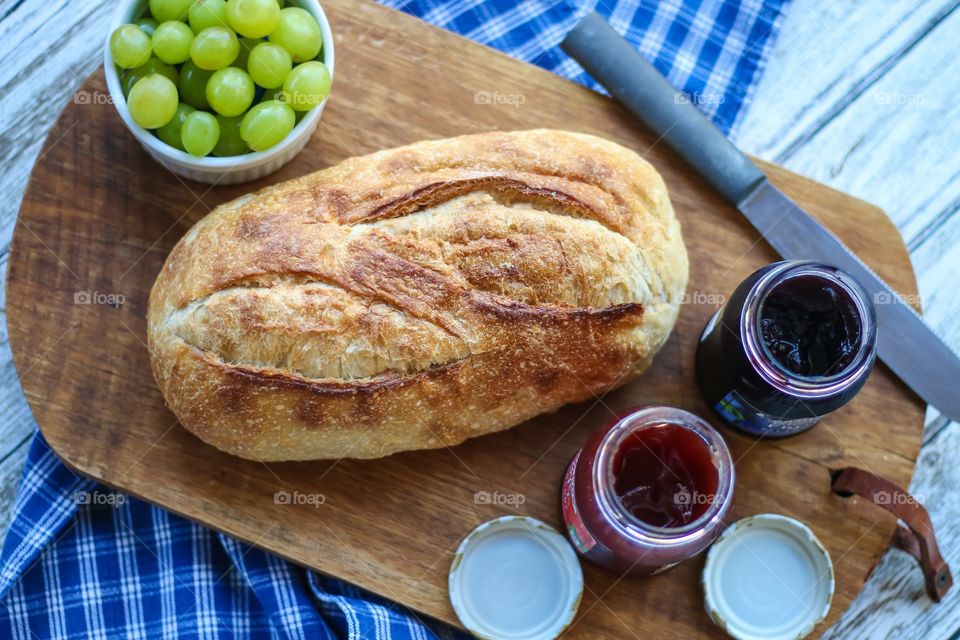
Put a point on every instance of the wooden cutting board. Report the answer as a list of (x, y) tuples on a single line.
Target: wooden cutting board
[(99, 217)]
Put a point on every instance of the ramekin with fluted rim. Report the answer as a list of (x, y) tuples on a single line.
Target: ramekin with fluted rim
[(212, 170)]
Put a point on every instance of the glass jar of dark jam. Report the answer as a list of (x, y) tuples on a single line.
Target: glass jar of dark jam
[(795, 341), (647, 491)]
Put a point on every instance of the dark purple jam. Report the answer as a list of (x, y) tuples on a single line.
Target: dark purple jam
[(795, 341), (810, 326)]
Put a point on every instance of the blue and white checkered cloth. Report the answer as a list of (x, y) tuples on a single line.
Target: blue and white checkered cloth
[(82, 561)]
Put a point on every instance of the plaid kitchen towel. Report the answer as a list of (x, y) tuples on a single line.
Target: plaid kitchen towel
[(82, 561)]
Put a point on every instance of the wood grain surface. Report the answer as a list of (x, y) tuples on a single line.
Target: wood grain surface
[(99, 217)]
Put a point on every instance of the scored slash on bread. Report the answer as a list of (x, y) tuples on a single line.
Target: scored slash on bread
[(417, 297)]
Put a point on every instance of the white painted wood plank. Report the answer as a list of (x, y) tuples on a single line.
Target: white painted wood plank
[(48, 47), (825, 55), (895, 145), (11, 467)]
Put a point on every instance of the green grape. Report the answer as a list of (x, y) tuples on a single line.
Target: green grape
[(307, 85), (170, 132), (208, 13), (164, 10), (153, 101), (230, 142), (193, 85), (247, 45), (172, 42), (267, 124), (147, 25), (200, 133), (269, 65), (298, 33), (253, 18), (214, 48), (154, 65), (230, 91), (130, 46)]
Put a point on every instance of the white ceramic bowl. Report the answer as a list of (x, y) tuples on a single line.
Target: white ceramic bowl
[(216, 170)]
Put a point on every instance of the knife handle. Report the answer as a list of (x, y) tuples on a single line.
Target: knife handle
[(614, 63)]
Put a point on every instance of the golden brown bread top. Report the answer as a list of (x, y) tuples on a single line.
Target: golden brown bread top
[(398, 264)]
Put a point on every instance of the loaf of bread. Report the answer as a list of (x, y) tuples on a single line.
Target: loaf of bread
[(417, 297)]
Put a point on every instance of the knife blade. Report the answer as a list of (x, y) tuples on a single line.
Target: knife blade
[(905, 343)]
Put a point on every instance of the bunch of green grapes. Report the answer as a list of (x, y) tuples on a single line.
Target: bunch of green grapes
[(221, 77)]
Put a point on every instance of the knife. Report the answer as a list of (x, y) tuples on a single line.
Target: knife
[(905, 343)]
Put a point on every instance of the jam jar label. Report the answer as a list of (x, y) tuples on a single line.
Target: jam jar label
[(738, 412), (576, 529)]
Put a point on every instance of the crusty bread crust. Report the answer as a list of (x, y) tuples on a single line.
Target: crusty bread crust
[(417, 297)]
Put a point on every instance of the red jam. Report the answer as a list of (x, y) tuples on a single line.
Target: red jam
[(647, 491), (660, 472)]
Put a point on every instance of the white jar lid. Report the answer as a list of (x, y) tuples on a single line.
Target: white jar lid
[(515, 578), (767, 576)]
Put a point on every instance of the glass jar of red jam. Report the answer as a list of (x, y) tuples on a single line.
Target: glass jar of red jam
[(648, 491), (795, 341)]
